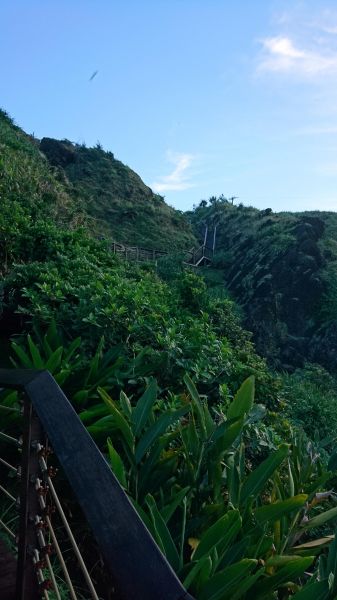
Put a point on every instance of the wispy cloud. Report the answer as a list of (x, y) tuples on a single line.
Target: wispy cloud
[(282, 54), (329, 29), (328, 170), (180, 178), (319, 130)]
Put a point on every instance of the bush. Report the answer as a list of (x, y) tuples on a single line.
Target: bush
[(311, 400)]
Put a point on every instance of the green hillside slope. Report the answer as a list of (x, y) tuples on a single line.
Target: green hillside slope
[(282, 269), (121, 205), (27, 181)]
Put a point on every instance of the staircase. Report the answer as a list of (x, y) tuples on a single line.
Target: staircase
[(201, 256)]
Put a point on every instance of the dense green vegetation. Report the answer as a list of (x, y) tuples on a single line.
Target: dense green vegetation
[(281, 268), (229, 463)]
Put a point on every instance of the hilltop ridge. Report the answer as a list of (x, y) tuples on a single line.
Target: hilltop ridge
[(115, 197)]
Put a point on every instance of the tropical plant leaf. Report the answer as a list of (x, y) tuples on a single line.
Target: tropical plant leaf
[(319, 590), (119, 419), (168, 510), (197, 404), (319, 520), (157, 429), (35, 352), (291, 571), (194, 572), (224, 529), (280, 508), (142, 410), (318, 543), (163, 533), (54, 361), (227, 580), (243, 400), (259, 477), (117, 464), (125, 404), (22, 355)]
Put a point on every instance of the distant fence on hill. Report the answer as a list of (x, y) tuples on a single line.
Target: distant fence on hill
[(194, 257)]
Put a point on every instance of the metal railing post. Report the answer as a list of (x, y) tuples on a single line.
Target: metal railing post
[(26, 583)]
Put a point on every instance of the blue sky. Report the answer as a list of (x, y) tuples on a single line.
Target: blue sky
[(200, 97)]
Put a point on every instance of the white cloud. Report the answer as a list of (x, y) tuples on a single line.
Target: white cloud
[(179, 179), (327, 169), (327, 29), (280, 54), (319, 130)]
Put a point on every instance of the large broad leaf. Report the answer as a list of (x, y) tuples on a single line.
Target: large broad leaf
[(54, 360), (289, 572), (228, 525), (256, 481), (116, 464), (75, 344), (120, 421), (244, 586), (35, 352), (94, 363), (226, 434), (163, 535), (22, 355), (243, 399), (318, 590), (194, 572), (314, 544), (168, 510), (157, 429), (321, 519), (226, 581), (142, 410), (235, 552), (62, 376), (92, 413), (280, 508), (197, 404), (125, 404), (81, 397), (280, 560)]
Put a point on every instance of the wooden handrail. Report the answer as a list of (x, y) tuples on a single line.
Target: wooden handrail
[(138, 567), (192, 257)]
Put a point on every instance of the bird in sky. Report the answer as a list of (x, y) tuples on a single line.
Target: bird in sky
[(93, 75)]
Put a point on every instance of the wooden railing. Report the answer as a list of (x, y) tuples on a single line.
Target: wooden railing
[(194, 257), (53, 433), (137, 253)]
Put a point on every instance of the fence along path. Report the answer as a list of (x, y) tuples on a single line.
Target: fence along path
[(42, 431), (195, 257)]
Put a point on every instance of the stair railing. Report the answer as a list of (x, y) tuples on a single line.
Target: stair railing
[(48, 555), (192, 257)]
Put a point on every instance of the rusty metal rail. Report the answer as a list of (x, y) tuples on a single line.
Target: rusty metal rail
[(135, 565)]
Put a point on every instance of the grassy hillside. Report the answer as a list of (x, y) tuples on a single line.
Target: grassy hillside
[(282, 269), (27, 181), (121, 205)]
